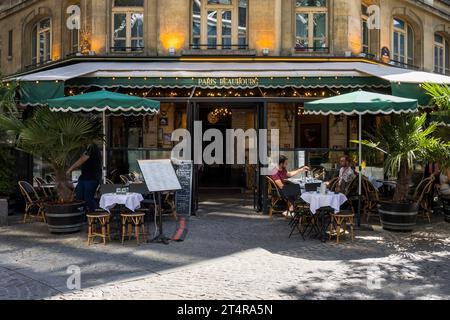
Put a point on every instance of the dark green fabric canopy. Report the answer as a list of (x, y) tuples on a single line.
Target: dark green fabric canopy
[(101, 101), (361, 103)]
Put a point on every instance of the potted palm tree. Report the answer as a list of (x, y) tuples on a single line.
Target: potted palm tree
[(58, 139), (405, 141)]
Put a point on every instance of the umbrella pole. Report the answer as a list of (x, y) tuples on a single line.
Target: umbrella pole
[(104, 147), (360, 171)]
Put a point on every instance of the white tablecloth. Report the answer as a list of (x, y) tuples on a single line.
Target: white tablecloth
[(317, 200), (130, 200)]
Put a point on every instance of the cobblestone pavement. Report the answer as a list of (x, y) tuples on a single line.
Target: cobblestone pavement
[(230, 253)]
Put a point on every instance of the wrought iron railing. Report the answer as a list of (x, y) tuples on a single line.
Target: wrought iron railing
[(218, 46), (127, 49), (299, 49)]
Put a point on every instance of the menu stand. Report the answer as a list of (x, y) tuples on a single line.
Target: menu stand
[(160, 238)]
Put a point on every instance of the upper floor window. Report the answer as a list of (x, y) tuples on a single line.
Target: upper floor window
[(41, 42), (311, 25), (128, 25), (75, 40), (403, 43), (10, 44), (441, 55), (219, 24), (365, 29)]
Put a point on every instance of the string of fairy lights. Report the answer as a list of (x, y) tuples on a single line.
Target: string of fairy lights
[(171, 87), (288, 92)]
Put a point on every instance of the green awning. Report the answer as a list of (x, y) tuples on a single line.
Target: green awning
[(38, 92), (412, 91), (104, 100), (360, 103)]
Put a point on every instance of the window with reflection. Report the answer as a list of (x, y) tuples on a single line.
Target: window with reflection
[(128, 25), (311, 24), (441, 55), (41, 42), (219, 24), (365, 29), (403, 43)]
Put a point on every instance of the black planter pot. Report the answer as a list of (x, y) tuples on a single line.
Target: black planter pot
[(398, 216), (64, 218), (446, 207)]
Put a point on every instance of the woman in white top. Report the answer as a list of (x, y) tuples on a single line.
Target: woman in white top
[(444, 181)]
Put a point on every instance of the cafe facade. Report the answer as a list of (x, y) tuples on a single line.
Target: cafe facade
[(239, 94)]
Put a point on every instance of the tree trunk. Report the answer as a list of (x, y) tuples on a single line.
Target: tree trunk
[(403, 182), (63, 186)]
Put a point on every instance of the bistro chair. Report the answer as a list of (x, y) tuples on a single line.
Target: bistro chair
[(319, 173), (292, 193), (50, 178), (275, 198), (98, 226), (371, 199), (41, 190), (168, 205), (424, 195), (340, 222), (136, 220), (32, 202), (108, 181), (125, 179), (333, 183)]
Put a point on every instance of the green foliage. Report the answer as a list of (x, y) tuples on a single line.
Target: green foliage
[(56, 137), (405, 140), (8, 103), (440, 95), (7, 174)]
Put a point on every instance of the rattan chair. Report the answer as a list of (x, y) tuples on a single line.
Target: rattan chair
[(424, 195), (32, 202), (275, 197), (371, 199), (41, 190), (125, 179)]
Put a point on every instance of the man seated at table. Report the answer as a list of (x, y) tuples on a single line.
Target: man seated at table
[(346, 175), (280, 172)]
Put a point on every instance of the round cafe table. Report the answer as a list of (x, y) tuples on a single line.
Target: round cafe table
[(318, 200)]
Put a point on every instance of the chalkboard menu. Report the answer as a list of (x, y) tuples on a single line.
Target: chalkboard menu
[(183, 197)]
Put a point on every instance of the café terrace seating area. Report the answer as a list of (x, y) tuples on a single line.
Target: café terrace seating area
[(314, 208)]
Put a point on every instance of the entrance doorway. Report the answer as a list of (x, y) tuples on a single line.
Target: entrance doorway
[(224, 178)]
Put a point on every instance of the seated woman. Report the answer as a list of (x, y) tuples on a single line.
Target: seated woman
[(444, 181)]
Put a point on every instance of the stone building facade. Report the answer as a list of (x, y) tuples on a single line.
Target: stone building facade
[(273, 28)]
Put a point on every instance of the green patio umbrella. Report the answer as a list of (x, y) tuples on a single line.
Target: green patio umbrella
[(105, 102), (360, 103)]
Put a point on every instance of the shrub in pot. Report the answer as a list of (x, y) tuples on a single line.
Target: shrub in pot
[(58, 138), (405, 141)]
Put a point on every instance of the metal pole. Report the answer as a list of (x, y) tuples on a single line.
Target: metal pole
[(360, 171), (104, 146)]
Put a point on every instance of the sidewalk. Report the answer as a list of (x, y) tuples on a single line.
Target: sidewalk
[(229, 253)]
